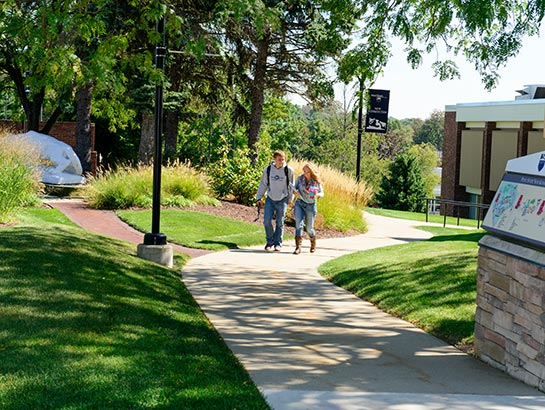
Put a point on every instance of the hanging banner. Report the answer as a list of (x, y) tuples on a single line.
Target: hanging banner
[(376, 119)]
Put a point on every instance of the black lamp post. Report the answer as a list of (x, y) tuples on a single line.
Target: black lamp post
[(360, 130), (156, 238)]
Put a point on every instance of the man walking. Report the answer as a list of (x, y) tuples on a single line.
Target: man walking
[(277, 182)]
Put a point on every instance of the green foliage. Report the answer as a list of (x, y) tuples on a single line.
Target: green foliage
[(403, 189), (428, 160), (396, 141), (373, 169), (486, 33), (202, 132), (283, 124), (283, 48), (128, 187), (432, 130), (19, 181), (235, 176)]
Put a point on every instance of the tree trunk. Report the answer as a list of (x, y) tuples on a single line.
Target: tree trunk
[(83, 126), (171, 133), (51, 121), (33, 109), (258, 92), (147, 140), (171, 113)]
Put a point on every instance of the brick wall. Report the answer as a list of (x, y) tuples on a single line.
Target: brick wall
[(450, 157), (450, 174), (510, 315)]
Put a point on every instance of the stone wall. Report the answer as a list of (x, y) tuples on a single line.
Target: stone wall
[(510, 316)]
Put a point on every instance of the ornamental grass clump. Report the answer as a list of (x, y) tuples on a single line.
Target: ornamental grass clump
[(132, 187), (19, 177), (344, 198), (184, 186)]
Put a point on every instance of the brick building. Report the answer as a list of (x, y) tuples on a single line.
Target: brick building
[(479, 139)]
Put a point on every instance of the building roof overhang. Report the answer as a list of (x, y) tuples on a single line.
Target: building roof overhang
[(518, 110)]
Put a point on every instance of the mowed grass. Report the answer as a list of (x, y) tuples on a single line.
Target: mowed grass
[(420, 216), (197, 229), (429, 283), (85, 324)]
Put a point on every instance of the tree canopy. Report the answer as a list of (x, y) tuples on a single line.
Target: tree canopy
[(228, 57), (486, 33)]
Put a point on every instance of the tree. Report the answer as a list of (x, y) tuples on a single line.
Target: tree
[(432, 130), (428, 160), (396, 141), (284, 123), (403, 189), (36, 54), (283, 47), (60, 54)]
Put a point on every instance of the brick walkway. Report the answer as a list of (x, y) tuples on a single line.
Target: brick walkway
[(107, 223)]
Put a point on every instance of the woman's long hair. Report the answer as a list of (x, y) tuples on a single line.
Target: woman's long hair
[(313, 173)]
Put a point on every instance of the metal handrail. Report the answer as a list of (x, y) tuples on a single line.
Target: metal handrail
[(457, 205)]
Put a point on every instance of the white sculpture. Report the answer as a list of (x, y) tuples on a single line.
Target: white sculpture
[(59, 163)]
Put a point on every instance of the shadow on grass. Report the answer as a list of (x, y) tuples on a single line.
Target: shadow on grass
[(83, 325), (466, 237)]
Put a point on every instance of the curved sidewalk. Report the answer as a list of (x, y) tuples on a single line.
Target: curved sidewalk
[(308, 344)]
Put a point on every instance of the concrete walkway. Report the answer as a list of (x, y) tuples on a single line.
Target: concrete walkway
[(308, 344)]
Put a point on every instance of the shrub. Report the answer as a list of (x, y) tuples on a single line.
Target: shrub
[(403, 189), (235, 177), (19, 177), (128, 187)]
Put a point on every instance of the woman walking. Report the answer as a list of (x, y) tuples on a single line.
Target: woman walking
[(308, 189)]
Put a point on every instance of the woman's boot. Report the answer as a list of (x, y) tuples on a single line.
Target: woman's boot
[(313, 244), (298, 240)]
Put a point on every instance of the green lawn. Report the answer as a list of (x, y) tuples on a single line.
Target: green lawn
[(420, 216), (87, 325), (197, 229), (429, 283)]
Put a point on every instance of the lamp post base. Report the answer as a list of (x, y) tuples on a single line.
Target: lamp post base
[(155, 249), (161, 254)]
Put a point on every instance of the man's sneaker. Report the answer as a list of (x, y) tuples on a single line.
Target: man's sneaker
[(277, 248), (269, 248)]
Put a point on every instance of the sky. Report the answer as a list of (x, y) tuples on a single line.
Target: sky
[(416, 93)]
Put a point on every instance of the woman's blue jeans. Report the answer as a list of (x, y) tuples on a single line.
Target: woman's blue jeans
[(305, 214), (274, 235)]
